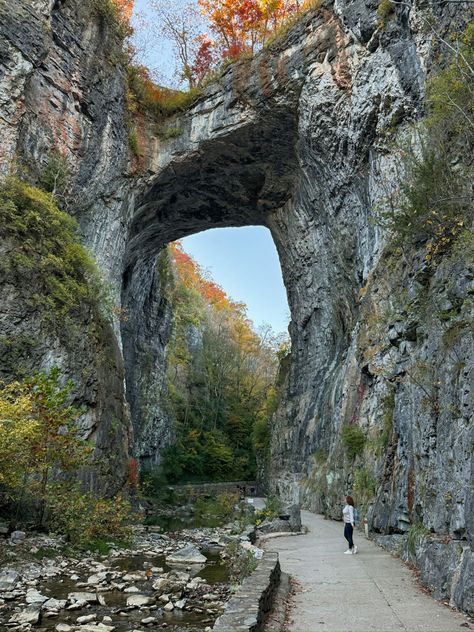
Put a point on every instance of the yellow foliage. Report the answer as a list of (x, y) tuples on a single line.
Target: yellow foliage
[(18, 431)]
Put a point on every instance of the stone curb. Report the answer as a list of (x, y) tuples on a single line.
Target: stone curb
[(253, 600)]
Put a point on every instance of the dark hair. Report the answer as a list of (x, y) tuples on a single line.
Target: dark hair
[(350, 500)]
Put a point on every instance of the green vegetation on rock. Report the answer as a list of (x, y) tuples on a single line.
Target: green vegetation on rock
[(43, 253), (417, 534), (364, 487), (353, 438), (432, 202), (384, 11)]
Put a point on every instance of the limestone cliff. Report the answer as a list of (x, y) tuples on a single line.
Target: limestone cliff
[(296, 140)]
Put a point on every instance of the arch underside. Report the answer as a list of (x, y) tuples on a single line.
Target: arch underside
[(240, 179)]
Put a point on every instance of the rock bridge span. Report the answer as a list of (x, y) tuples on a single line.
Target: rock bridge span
[(285, 140)]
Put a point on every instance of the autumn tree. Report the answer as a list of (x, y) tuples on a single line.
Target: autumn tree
[(180, 23), (219, 31), (39, 437), (245, 25), (125, 9), (41, 453), (221, 372)]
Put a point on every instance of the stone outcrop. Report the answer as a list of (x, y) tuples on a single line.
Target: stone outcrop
[(296, 140)]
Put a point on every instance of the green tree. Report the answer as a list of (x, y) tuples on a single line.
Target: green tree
[(40, 435)]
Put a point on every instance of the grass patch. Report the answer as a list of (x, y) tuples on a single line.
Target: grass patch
[(364, 486), (109, 13), (417, 534), (385, 11), (133, 142), (452, 334), (45, 552), (382, 440), (353, 438), (166, 133), (242, 562), (145, 96)]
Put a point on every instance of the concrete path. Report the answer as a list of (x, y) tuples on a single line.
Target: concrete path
[(368, 591)]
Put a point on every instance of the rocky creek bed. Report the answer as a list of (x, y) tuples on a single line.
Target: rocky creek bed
[(176, 581)]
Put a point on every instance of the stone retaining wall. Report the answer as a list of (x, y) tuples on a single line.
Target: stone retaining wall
[(247, 610)]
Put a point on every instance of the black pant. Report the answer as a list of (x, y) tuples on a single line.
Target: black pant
[(348, 531)]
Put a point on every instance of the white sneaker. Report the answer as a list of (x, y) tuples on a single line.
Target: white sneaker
[(354, 550), (348, 552)]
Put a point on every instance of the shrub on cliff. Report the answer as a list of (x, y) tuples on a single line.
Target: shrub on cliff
[(432, 203), (353, 438), (43, 253)]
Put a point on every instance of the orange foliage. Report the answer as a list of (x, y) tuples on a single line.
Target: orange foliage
[(125, 8), (192, 276), (205, 58), (239, 327), (244, 25)]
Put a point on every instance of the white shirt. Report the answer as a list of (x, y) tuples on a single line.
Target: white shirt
[(348, 514)]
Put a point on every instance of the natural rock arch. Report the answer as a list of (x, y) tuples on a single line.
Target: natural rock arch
[(283, 141), (238, 180)]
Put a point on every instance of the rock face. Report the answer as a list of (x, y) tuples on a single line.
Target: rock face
[(62, 93), (295, 140)]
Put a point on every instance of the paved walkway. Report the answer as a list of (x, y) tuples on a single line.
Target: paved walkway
[(368, 591)]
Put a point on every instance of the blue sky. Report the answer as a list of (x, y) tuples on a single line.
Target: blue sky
[(244, 261), (155, 53)]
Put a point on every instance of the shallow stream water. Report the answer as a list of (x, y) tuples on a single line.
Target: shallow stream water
[(214, 572)]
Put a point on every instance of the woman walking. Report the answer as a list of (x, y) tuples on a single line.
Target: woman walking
[(349, 524)]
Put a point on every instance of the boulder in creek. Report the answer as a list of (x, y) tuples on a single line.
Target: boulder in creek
[(98, 578), (94, 627), (134, 577), (17, 537), (137, 601), (77, 605), (161, 584), (31, 614), (54, 604), (8, 580), (86, 618), (83, 596), (189, 554), (148, 621), (34, 596)]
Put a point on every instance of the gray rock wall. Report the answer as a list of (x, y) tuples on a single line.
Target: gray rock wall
[(61, 90)]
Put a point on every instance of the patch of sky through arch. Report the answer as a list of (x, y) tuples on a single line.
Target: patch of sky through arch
[(244, 262)]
